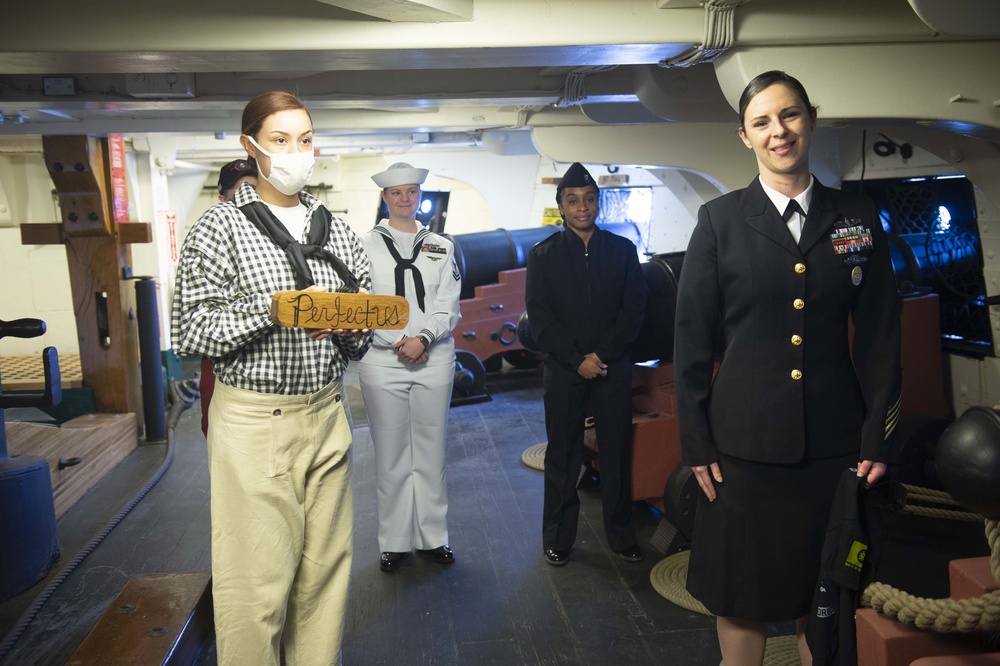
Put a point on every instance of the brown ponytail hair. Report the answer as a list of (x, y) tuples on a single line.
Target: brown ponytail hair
[(266, 104)]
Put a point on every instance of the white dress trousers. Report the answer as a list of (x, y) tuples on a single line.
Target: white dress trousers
[(407, 404)]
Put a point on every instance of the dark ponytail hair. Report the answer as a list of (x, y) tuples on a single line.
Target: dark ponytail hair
[(768, 79)]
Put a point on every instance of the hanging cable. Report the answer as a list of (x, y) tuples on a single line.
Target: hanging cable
[(864, 138), (575, 89), (720, 33)]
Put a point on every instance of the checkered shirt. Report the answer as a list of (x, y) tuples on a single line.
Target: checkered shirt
[(227, 273)]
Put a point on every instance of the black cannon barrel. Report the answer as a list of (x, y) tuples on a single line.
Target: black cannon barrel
[(656, 338), (482, 255)]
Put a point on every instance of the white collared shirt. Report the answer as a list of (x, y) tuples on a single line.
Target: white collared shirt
[(780, 202)]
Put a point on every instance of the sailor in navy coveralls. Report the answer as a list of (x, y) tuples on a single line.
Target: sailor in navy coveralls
[(585, 298)]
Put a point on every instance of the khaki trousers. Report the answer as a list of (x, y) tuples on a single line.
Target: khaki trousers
[(281, 525)]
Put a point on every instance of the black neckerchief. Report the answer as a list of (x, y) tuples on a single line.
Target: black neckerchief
[(319, 233), (403, 265)]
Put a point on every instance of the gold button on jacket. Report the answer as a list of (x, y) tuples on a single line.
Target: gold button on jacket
[(800, 268), (796, 340), (796, 375), (798, 304)]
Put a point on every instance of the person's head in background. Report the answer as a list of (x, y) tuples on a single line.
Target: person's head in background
[(234, 174)]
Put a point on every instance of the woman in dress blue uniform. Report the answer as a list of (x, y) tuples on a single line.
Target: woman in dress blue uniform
[(406, 376), (791, 404)]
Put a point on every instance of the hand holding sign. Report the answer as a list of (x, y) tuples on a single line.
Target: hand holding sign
[(334, 310)]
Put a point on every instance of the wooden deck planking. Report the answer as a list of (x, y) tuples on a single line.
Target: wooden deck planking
[(498, 604)]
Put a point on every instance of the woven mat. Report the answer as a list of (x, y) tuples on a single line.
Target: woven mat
[(25, 372), (669, 577), (534, 456)]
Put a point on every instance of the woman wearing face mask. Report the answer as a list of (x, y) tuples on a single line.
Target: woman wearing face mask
[(279, 445), (775, 271)]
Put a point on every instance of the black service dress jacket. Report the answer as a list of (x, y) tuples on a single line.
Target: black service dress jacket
[(786, 389)]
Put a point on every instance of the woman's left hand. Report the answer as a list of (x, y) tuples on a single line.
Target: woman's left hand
[(410, 350), (872, 470)]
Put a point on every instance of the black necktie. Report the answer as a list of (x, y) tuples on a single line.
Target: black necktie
[(792, 207), (403, 265)]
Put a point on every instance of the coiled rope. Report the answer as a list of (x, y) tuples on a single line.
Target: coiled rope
[(943, 615)]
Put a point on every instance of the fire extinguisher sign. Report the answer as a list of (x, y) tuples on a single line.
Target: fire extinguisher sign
[(170, 217)]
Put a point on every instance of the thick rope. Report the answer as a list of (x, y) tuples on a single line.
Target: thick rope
[(917, 496), (934, 512), (943, 615)]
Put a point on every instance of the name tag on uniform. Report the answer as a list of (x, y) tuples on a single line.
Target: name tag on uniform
[(853, 238), (433, 249)]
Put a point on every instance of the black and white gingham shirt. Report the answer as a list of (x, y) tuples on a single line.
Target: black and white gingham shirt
[(227, 273)]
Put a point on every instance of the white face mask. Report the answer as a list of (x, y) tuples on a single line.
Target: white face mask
[(289, 171)]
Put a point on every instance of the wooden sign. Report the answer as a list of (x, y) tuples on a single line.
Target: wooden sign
[(325, 309)]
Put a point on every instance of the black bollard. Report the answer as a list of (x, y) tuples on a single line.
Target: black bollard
[(150, 362)]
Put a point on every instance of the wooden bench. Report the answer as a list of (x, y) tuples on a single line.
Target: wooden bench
[(162, 619)]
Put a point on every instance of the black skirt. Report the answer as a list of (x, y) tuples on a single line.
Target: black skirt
[(755, 550)]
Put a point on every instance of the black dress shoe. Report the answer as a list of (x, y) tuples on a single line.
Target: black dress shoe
[(630, 554), (589, 479), (390, 561), (442, 554), (556, 558)]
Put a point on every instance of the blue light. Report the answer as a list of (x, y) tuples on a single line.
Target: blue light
[(945, 219), (426, 206)]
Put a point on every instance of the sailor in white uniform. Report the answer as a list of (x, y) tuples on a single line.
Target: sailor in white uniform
[(406, 376)]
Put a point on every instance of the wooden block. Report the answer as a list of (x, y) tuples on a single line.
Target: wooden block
[(135, 232), (490, 317), (990, 659), (49, 233), (101, 441), (159, 619), (971, 577), (325, 309), (656, 451), (883, 641), (653, 388)]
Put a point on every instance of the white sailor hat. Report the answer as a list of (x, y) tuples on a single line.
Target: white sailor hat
[(400, 173)]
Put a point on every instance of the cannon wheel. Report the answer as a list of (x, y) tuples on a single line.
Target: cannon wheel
[(680, 498), (470, 379)]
